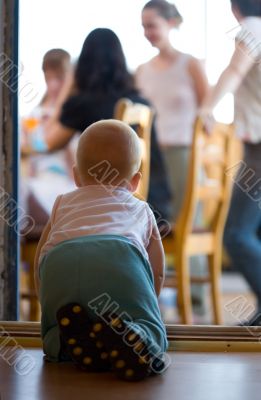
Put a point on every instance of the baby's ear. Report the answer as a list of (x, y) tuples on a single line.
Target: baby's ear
[(76, 176), (135, 180)]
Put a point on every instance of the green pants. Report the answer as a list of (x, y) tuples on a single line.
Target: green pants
[(99, 272)]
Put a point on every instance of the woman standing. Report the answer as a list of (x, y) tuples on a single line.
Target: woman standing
[(175, 83), (243, 78)]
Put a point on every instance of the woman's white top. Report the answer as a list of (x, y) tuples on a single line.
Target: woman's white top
[(248, 95), (172, 93)]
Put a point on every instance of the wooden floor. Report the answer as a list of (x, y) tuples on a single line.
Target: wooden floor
[(192, 375)]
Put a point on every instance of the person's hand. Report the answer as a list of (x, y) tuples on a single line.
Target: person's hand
[(26, 150), (207, 119)]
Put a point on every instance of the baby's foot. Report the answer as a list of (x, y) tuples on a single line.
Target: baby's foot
[(128, 353), (78, 338)]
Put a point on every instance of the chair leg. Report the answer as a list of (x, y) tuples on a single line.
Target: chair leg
[(183, 286), (28, 253), (214, 262), (34, 303)]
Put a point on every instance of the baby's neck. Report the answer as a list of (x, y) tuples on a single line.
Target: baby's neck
[(124, 184)]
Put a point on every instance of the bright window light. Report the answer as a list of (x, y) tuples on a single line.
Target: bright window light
[(45, 24)]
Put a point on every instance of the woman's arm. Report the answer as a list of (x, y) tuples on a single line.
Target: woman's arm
[(57, 135), (157, 260), (230, 79), (200, 79)]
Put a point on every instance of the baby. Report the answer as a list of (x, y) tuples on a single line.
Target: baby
[(99, 264)]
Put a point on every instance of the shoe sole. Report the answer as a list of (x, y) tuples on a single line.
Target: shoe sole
[(79, 342), (128, 353)]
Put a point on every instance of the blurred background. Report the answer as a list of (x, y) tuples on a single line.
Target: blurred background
[(207, 32)]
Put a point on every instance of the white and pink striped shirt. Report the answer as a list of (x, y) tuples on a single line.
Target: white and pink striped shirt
[(99, 210)]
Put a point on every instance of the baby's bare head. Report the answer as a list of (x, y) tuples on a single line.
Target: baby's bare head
[(108, 152)]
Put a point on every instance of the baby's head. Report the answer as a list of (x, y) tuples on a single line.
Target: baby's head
[(108, 153)]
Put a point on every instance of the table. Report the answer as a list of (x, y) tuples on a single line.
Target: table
[(206, 363)]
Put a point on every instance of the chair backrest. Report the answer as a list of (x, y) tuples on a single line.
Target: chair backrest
[(140, 117), (209, 184)]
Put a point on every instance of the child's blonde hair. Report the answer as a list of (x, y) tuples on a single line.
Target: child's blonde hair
[(108, 152), (56, 60)]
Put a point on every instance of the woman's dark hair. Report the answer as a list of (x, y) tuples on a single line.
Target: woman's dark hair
[(248, 8), (101, 66), (165, 9)]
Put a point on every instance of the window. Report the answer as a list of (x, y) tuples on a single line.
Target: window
[(47, 24)]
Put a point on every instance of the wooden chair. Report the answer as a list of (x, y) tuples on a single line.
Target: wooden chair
[(210, 154), (28, 246), (140, 117), (27, 290)]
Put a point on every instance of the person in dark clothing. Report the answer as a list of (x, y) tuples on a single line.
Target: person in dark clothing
[(101, 78), (242, 77)]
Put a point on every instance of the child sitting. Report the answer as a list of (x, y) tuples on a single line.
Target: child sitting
[(100, 263)]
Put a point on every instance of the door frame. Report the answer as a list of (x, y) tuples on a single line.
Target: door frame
[(9, 159)]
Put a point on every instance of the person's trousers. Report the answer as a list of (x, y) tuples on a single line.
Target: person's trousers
[(242, 236), (102, 273)]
